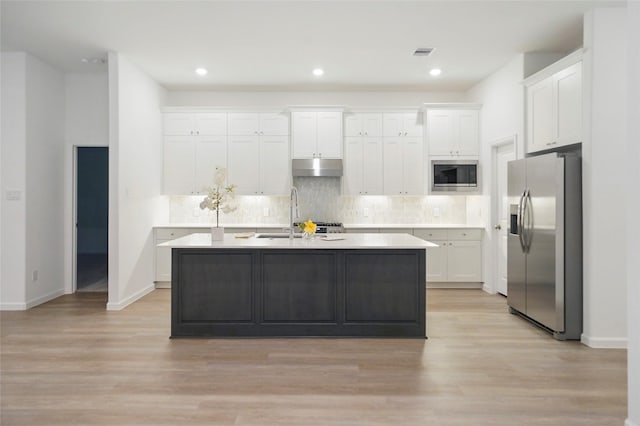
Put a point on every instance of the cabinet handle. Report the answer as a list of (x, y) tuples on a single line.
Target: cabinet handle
[(319, 154), (406, 133), (458, 152), (399, 133), (198, 132), (366, 133)]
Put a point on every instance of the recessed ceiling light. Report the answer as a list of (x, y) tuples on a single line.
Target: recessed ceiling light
[(318, 72), (435, 72), (201, 71)]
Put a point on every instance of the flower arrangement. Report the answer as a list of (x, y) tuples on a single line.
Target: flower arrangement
[(219, 197), (308, 228)]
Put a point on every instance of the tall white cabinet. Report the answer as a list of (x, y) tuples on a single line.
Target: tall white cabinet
[(554, 105), (363, 154), (258, 159), (194, 145)]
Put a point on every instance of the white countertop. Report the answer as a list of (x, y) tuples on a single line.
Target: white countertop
[(346, 225), (349, 241)]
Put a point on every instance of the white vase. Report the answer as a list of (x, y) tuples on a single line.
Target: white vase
[(217, 234)]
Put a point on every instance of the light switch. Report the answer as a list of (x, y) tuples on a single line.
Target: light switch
[(365, 212), (14, 195), (265, 211)]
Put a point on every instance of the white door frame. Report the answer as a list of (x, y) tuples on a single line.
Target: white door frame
[(74, 215), (495, 213)]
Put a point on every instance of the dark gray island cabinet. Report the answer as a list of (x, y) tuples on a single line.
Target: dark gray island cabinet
[(357, 288)]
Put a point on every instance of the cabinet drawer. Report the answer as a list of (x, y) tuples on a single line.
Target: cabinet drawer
[(465, 234), (396, 231), (172, 233), (431, 234)]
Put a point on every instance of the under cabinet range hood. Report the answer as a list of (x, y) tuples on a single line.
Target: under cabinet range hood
[(320, 167)]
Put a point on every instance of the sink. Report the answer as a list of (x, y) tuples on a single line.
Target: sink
[(277, 235)]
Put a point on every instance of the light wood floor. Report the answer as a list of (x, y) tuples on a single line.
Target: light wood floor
[(71, 362)]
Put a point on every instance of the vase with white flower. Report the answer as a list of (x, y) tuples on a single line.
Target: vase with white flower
[(219, 197)]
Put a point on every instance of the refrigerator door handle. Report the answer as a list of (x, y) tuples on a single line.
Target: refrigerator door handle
[(528, 224), (520, 221)]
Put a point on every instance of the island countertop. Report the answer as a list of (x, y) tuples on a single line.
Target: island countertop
[(332, 241)]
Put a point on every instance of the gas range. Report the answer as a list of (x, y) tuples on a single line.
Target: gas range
[(327, 227)]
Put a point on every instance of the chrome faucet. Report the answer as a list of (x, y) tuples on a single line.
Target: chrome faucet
[(294, 194)]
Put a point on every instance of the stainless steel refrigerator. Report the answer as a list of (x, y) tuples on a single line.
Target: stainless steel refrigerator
[(544, 257)]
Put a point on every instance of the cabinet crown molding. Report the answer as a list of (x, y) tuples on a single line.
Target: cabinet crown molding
[(318, 108), (223, 109), (559, 65)]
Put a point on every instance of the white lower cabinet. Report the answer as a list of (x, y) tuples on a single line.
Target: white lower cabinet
[(458, 257)]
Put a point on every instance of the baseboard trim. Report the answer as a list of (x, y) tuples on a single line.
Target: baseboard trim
[(43, 299), (163, 284), (488, 289), (437, 284), (604, 343), (129, 300), (630, 423), (13, 306)]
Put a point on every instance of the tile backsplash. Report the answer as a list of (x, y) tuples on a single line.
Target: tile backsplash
[(320, 199)]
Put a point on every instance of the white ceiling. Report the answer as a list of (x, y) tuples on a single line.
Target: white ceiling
[(274, 45)]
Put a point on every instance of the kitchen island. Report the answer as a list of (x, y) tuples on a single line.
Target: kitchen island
[(360, 285)]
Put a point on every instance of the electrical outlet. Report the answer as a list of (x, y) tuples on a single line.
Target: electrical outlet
[(34, 275), (265, 211), (365, 212), (436, 212)]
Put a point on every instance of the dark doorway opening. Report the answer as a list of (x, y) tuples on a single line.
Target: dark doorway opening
[(92, 218)]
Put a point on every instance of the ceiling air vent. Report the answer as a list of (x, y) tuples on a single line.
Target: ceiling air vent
[(423, 51)]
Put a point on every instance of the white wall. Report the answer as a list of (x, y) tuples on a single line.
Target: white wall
[(44, 189), (86, 124), (633, 251), (604, 201), (13, 225), (283, 99), (135, 167)]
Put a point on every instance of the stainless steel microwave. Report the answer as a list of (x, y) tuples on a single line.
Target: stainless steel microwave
[(454, 175)]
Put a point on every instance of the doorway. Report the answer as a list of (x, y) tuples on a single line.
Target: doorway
[(503, 152), (91, 218)]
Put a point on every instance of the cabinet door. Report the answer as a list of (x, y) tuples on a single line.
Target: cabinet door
[(413, 166), (244, 164), (440, 132), (211, 123), (304, 134), (464, 261), (275, 172), (437, 262), (392, 170), (272, 124), (353, 166), (392, 124), (243, 124), (178, 123), (211, 153), (353, 125), (540, 113), (179, 165), (467, 123), (568, 90), (163, 262), (372, 124), (329, 134), (411, 124), (372, 166)]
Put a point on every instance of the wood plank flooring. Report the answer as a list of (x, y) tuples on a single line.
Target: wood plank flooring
[(70, 362)]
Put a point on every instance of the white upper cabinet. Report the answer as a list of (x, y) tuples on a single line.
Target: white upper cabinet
[(259, 165), (190, 163), (268, 124), (402, 124), (363, 124), (554, 105), (200, 123), (363, 166), (317, 134), (403, 168), (453, 132)]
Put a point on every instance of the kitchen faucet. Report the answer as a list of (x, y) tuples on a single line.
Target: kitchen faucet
[(294, 193)]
